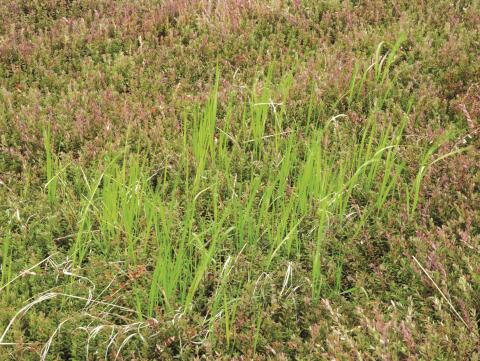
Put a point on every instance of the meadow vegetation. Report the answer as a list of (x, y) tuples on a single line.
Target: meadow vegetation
[(239, 179)]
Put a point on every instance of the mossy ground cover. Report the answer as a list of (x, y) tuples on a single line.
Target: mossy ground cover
[(200, 179)]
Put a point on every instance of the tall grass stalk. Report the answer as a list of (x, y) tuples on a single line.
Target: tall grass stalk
[(51, 165), (6, 262)]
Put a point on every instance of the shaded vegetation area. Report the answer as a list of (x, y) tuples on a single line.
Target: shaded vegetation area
[(239, 179)]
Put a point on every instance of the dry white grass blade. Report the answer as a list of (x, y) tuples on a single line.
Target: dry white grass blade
[(24, 310), (90, 290), (441, 293), (106, 288), (26, 272), (116, 331), (288, 275), (50, 340), (128, 338), (98, 302), (113, 336), (91, 335), (226, 267), (268, 136)]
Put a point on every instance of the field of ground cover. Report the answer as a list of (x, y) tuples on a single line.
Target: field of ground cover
[(239, 179)]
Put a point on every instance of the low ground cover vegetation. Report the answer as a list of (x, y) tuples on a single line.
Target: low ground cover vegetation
[(201, 179)]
